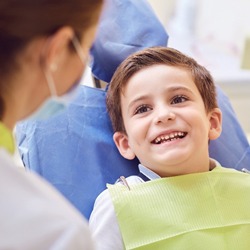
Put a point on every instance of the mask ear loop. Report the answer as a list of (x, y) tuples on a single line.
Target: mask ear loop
[(84, 59), (48, 76), (51, 83), (78, 48)]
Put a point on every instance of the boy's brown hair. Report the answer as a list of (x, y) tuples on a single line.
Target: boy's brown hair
[(155, 56)]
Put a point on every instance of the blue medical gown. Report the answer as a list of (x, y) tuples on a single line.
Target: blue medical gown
[(74, 150)]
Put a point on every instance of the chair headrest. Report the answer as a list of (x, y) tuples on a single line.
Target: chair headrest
[(122, 31)]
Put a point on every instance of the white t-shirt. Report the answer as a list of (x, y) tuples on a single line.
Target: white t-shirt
[(103, 222), (34, 215)]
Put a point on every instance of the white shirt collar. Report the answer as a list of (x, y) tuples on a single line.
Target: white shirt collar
[(148, 173), (152, 175)]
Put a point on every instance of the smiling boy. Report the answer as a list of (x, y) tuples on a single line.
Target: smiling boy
[(163, 109), (166, 121)]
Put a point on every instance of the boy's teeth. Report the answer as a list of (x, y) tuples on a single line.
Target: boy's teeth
[(169, 137)]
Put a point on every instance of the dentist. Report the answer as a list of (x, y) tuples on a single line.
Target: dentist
[(43, 49)]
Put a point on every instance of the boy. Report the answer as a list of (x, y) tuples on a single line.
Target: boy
[(163, 109)]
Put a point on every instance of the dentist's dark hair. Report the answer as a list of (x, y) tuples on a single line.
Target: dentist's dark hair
[(155, 56), (21, 21)]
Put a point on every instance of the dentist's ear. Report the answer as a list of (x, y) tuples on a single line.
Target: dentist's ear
[(215, 124), (121, 142), (56, 48)]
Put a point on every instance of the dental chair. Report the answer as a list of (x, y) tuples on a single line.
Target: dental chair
[(74, 150)]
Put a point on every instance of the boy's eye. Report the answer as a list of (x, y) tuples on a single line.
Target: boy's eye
[(179, 99), (142, 109)]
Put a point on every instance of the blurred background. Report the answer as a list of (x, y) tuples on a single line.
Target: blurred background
[(217, 35)]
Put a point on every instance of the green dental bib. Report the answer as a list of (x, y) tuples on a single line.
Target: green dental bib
[(197, 211)]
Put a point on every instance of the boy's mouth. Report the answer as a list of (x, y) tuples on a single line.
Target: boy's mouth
[(169, 137)]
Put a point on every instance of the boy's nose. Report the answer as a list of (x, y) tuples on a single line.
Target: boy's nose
[(164, 115)]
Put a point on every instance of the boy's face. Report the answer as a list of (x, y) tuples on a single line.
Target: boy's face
[(167, 126)]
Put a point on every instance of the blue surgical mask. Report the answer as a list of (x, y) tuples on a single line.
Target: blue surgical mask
[(54, 105), (57, 104)]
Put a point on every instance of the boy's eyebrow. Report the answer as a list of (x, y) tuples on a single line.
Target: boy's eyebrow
[(140, 98), (176, 88)]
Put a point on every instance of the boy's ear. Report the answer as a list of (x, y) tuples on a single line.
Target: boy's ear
[(121, 142), (215, 124)]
